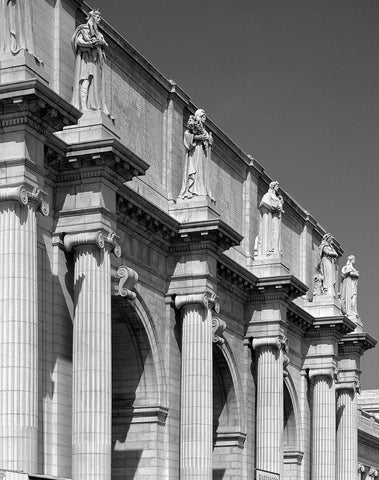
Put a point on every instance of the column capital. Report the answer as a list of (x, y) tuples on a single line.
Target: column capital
[(361, 468), (321, 372), (353, 385), (207, 299), (97, 238), (373, 472), (280, 342), (20, 194)]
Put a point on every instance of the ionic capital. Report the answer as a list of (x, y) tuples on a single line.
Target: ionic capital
[(126, 278), (112, 241), (218, 328), (278, 342), (353, 386), (321, 372), (36, 198), (208, 300), (361, 468), (73, 240)]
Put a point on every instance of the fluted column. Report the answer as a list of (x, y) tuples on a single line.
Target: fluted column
[(19, 327), (323, 424), (196, 425), (269, 416), (92, 357), (347, 433)]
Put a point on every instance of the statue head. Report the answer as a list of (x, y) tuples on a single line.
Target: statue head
[(327, 238), (351, 259), (274, 186), (94, 17), (200, 115)]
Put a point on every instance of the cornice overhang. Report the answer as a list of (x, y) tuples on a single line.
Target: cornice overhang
[(299, 317), (336, 326), (79, 160), (132, 207), (356, 342), (281, 287), (34, 103), (205, 234), (233, 276)]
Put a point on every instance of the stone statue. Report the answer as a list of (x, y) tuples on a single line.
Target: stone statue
[(325, 277), (349, 287), (198, 143), (268, 242), (88, 45), (16, 32)]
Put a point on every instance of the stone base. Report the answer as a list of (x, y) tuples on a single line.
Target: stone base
[(323, 306), (269, 267), (23, 66), (195, 209), (92, 125)]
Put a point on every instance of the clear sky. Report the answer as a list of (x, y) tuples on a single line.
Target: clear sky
[(294, 83)]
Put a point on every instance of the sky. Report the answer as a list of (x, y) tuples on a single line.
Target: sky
[(295, 84)]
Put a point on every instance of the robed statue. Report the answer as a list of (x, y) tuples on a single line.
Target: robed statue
[(268, 242), (349, 286), (198, 143), (16, 32), (88, 45), (325, 277)]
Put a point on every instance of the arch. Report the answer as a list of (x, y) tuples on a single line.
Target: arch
[(293, 437)]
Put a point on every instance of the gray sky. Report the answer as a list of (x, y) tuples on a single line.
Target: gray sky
[(295, 84)]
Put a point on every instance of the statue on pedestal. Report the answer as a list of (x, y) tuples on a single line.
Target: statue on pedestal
[(349, 287), (198, 143), (268, 242), (88, 45), (16, 32), (325, 277)]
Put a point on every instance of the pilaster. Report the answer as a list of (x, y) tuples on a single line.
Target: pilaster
[(19, 326)]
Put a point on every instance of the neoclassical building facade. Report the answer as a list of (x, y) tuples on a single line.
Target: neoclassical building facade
[(167, 311)]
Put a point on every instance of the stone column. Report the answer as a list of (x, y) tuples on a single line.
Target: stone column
[(92, 357), (323, 424), (347, 436), (196, 426), (19, 327), (269, 420)]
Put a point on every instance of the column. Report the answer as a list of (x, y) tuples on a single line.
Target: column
[(347, 433), (19, 327), (323, 424), (92, 357), (196, 425), (269, 419)]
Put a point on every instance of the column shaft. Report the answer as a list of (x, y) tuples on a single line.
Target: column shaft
[(269, 424), (323, 428), (196, 394), (18, 337), (347, 436), (92, 363)]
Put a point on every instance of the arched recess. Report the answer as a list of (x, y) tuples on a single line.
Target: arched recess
[(292, 441), (139, 391), (229, 417)]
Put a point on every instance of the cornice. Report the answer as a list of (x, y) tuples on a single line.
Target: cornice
[(32, 103), (281, 287), (231, 275), (356, 342), (299, 317)]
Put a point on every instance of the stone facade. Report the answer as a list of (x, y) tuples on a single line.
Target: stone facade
[(146, 332)]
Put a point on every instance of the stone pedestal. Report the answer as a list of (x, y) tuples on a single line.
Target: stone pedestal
[(269, 420), (347, 438), (92, 358), (323, 424), (19, 328), (196, 426)]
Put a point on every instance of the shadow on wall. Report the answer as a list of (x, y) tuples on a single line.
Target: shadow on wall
[(218, 473)]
